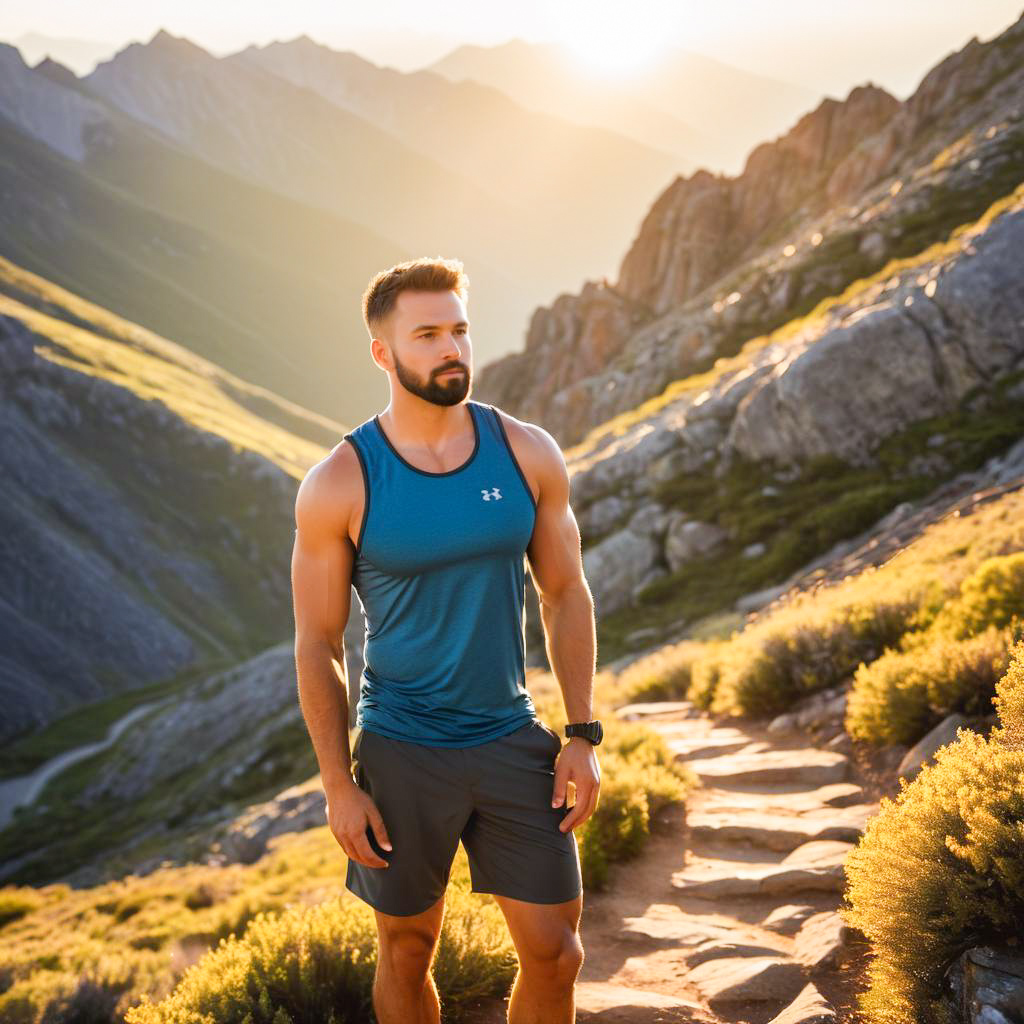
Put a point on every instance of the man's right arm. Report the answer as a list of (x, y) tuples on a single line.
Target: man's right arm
[(322, 560)]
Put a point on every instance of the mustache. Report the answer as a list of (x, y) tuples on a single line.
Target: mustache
[(446, 369)]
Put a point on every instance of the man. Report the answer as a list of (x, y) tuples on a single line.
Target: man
[(428, 509)]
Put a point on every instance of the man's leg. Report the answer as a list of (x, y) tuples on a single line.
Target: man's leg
[(403, 987), (546, 937)]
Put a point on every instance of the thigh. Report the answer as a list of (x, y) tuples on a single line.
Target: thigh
[(542, 931), (422, 797), (514, 845)]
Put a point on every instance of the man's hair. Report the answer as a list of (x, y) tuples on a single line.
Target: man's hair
[(422, 275)]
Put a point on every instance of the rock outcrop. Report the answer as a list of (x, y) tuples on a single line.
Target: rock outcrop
[(720, 260), (915, 345)]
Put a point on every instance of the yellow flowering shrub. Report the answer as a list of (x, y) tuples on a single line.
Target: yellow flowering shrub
[(940, 869), (905, 692)]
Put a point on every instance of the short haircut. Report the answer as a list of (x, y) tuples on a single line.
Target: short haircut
[(422, 275)]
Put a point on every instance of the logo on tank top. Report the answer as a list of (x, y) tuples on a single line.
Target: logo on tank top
[(492, 493)]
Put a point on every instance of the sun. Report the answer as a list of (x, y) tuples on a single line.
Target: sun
[(613, 40)]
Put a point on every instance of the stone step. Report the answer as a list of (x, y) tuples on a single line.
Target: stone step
[(809, 1007), (716, 949), (788, 918), (821, 940), (777, 831), (668, 926), (655, 709), (816, 865), (779, 798), (806, 766), (603, 1002), (747, 979), (689, 747)]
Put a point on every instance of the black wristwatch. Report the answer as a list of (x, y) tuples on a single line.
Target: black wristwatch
[(592, 731)]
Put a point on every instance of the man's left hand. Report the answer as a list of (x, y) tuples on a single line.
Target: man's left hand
[(577, 763)]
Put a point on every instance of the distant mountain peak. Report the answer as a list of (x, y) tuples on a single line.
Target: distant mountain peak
[(56, 72), (164, 42)]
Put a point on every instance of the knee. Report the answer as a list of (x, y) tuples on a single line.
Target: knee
[(558, 966), (407, 953)]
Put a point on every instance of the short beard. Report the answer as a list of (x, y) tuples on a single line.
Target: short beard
[(437, 392)]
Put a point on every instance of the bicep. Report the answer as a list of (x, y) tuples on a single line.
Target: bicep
[(556, 560), (321, 569)]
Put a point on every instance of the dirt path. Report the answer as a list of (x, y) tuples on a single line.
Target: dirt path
[(729, 914)]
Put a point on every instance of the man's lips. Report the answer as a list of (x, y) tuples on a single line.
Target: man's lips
[(448, 373)]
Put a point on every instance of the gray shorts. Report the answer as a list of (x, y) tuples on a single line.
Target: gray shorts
[(495, 797)]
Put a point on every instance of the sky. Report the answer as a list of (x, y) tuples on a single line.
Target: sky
[(827, 45)]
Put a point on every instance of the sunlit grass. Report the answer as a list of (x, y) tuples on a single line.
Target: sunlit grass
[(296, 941), (141, 362)]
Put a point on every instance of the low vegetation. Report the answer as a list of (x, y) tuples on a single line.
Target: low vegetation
[(940, 869), (282, 939), (952, 665), (923, 635)]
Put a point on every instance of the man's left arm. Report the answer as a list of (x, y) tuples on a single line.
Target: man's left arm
[(567, 614)]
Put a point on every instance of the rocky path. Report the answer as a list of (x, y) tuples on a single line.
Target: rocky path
[(730, 912)]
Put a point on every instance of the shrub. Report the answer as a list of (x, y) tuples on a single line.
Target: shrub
[(665, 674), (802, 648), (940, 869), (901, 695), (992, 595), (16, 902), (316, 965)]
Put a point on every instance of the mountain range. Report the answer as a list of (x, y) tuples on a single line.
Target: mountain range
[(792, 362)]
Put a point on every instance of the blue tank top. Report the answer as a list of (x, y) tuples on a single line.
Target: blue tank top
[(440, 574)]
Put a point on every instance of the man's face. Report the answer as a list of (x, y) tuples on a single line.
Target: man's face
[(430, 332)]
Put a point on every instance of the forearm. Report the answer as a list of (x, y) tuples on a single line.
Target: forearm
[(323, 698), (571, 644)]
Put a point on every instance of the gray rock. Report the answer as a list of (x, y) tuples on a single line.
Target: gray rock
[(925, 748), (297, 809), (892, 364), (758, 599), (600, 517), (651, 519), (687, 539), (615, 566)]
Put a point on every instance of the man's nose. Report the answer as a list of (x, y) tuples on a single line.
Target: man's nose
[(453, 348)]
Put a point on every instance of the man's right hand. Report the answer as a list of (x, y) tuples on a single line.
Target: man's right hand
[(349, 811)]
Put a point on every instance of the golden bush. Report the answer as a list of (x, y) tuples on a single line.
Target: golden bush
[(905, 692), (941, 868)]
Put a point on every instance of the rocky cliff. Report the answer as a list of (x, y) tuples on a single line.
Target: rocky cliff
[(720, 260), (914, 374)]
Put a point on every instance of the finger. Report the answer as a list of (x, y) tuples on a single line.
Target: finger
[(365, 853), (379, 831), (561, 781), (582, 810), (579, 814)]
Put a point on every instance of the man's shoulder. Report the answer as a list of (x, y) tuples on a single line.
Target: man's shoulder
[(537, 451), (531, 436), (334, 482)]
